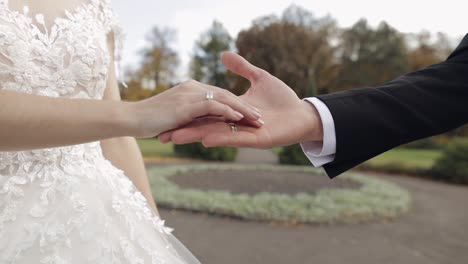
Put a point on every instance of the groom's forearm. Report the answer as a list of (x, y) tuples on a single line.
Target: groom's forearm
[(371, 121)]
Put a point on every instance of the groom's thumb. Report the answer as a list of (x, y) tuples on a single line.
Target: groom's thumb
[(241, 66)]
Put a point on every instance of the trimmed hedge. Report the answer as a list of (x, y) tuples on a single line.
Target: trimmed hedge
[(453, 165), (293, 155), (198, 151), (376, 198)]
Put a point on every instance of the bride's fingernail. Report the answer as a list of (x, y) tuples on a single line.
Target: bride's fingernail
[(257, 114), (239, 115), (261, 122)]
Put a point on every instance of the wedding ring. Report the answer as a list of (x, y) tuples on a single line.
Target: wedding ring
[(234, 128), (209, 95)]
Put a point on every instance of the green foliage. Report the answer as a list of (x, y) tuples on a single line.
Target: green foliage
[(453, 165), (198, 151), (370, 56), (396, 168), (427, 143), (427, 52), (374, 200), (309, 53), (293, 155), (416, 162), (417, 159), (462, 131), (154, 148), (158, 69), (206, 67), (160, 60), (134, 91), (206, 63)]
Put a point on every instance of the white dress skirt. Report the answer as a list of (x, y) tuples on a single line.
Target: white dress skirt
[(70, 204)]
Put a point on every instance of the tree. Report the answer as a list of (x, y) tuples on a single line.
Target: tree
[(371, 57), (296, 48), (206, 67), (135, 90), (206, 62), (160, 60), (424, 54), (425, 51), (444, 45)]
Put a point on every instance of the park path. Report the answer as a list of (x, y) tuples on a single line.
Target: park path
[(434, 232), (256, 156)]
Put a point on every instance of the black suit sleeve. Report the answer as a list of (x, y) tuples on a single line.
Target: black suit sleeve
[(370, 121)]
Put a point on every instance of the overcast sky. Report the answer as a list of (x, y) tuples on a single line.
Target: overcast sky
[(191, 18)]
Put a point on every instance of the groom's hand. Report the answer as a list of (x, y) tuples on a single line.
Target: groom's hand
[(288, 120)]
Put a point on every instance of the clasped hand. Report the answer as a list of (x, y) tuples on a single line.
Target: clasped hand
[(269, 114)]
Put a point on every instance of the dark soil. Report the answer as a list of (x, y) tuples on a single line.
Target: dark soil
[(252, 182)]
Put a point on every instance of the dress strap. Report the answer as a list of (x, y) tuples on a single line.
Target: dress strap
[(112, 24)]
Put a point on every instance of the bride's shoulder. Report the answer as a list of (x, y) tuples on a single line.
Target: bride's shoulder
[(105, 3)]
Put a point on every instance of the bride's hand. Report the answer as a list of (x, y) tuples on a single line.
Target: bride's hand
[(288, 120), (185, 103)]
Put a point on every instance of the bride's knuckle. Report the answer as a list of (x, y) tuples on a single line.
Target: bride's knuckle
[(181, 114), (186, 84), (211, 106), (221, 95), (179, 100), (226, 110), (227, 92)]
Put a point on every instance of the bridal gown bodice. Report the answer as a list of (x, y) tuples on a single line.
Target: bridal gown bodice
[(70, 204)]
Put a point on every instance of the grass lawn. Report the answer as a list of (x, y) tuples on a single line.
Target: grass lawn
[(154, 148), (277, 150), (408, 158)]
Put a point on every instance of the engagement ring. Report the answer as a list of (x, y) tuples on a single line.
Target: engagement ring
[(209, 95), (233, 128)]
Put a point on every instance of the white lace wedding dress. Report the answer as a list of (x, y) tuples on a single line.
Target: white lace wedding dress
[(70, 204)]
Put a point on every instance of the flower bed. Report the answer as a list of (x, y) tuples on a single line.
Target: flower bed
[(375, 199)]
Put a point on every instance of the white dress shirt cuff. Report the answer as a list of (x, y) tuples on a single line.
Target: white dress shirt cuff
[(321, 153)]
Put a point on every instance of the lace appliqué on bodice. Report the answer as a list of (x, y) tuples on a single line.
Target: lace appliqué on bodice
[(71, 59), (58, 203)]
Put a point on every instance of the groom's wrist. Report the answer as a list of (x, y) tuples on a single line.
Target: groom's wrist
[(313, 128)]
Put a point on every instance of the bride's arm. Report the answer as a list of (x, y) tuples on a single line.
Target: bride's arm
[(124, 152), (34, 122)]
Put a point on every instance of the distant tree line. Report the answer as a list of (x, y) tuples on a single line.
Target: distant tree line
[(311, 54)]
